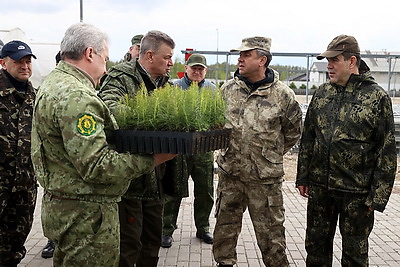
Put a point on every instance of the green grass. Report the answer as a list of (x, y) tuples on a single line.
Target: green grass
[(172, 109)]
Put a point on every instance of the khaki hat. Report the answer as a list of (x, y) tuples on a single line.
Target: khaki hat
[(256, 42), (137, 39), (340, 44), (197, 59)]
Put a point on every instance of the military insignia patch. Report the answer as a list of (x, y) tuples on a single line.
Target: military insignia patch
[(86, 124)]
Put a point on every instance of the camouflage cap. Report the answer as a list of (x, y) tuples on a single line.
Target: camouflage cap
[(256, 42), (137, 39), (340, 44), (197, 59)]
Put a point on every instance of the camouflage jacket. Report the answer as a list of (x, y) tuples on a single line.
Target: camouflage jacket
[(265, 124), (348, 140), (70, 152), (16, 170), (126, 79), (127, 57)]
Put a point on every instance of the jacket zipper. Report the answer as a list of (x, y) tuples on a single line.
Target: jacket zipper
[(331, 137)]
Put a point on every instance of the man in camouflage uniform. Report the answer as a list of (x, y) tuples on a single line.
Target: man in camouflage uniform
[(48, 249), (265, 120), (18, 186), (134, 49), (140, 210), (347, 158), (199, 167), (83, 178)]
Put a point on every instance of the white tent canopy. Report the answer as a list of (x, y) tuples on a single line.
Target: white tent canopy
[(45, 53)]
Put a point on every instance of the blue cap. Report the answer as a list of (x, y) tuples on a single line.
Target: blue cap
[(16, 50)]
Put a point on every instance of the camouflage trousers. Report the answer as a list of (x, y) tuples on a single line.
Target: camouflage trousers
[(85, 233), (200, 168), (355, 223), (265, 204), (141, 226), (16, 218)]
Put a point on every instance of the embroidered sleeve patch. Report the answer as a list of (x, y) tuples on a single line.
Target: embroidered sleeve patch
[(86, 124)]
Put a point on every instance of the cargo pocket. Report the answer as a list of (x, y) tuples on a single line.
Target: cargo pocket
[(270, 164), (218, 204), (276, 210), (97, 221)]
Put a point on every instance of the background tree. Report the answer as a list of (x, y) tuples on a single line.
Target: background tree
[(292, 86)]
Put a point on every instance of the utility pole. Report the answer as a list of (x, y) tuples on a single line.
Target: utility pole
[(216, 75), (81, 8)]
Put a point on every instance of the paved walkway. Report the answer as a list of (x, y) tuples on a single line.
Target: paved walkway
[(188, 251)]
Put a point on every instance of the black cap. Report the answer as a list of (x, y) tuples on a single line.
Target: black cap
[(16, 50)]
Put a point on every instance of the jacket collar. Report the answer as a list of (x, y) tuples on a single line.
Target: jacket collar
[(355, 80), (189, 82)]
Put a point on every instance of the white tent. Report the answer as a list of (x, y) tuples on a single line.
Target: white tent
[(45, 53)]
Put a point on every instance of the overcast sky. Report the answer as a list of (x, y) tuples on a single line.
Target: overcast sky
[(294, 26)]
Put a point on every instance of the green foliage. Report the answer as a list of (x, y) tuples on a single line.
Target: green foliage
[(292, 86), (110, 63), (172, 109), (303, 86), (314, 87), (285, 72), (177, 67)]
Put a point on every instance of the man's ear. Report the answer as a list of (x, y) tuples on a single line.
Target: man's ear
[(263, 61), (89, 54), (150, 56), (353, 61), (2, 63)]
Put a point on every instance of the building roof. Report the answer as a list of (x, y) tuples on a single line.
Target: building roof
[(301, 77), (382, 64), (319, 66)]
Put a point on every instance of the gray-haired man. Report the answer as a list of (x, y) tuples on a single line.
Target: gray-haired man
[(140, 210), (83, 178)]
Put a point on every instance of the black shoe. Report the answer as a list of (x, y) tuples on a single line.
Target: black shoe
[(48, 250), (224, 265), (166, 241), (206, 237)]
